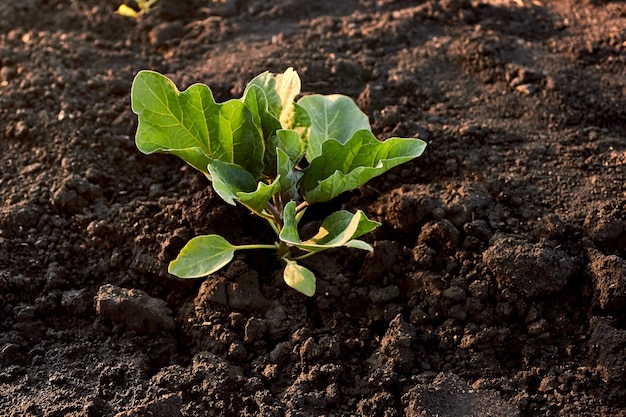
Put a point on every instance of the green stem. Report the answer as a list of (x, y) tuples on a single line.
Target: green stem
[(302, 206), (306, 255), (256, 246), (283, 250), (272, 223), (277, 217)]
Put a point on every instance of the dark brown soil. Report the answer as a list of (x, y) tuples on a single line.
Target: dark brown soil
[(498, 286)]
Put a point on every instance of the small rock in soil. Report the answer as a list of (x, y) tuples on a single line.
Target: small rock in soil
[(74, 194), (608, 274), (423, 256), (384, 295), (455, 293), (527, 89), (550, 227), (449, 395), (479, 289), (174, 378), (440, 235), (309, 351), (167, 406), (529, 269), (238, 288), (418, 316), (162, 34), (607, 345), (479, 229), (22, 215), (379, 404), (406, 207), (76, 302), (606, 229), (223, 8), (134, 309), (396, 345), (254, 329), (218, 377), (10, 354), (465, 201), (380, 261)]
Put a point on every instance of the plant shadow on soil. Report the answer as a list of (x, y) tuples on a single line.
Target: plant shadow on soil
[(498, 283)]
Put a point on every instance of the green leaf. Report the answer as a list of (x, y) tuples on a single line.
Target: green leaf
[(280, 91), (359, 244), (202, 256), (299, 278), (233, 183), (344, 167), (267, 82), (338, 229), (289, 232), (288, 87), (192, 126), (290, 142), (298, 119), (335, 117), (256, 100), (257, 200), (287, 140), (342, 227), (288, 177), (270, 99)]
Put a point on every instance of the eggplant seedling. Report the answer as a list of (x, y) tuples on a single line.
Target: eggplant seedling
[(274, 155)]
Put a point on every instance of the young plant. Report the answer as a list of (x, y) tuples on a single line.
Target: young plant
[(271, 154), (142, 7)]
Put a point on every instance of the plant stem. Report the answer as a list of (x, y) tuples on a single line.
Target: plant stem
[(306, 255), (302, 206), (277, 217), (256, 246), (284, 251)]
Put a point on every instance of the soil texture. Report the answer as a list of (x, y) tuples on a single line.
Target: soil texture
[(498, 283)]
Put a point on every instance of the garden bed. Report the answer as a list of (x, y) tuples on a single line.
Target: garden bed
[(498, 283)]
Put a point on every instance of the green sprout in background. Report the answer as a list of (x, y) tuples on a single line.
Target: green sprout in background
[(271, 154), (142, 6)]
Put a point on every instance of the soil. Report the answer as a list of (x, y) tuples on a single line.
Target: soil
[(498, 284)]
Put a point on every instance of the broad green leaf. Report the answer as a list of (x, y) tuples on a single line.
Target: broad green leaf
[(288, 177), (298, 119), (290, 142), (287, 140), (202, 256), (257, 200), (267, 83), (192, 126), (334, 117), (280, 91), (299, 278), (270, 98), (338, 229), (344, 167), (229, 180), (257, 102), (233, 183), (288, 87)]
